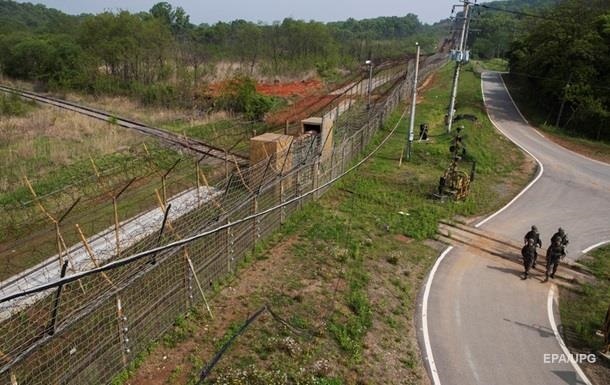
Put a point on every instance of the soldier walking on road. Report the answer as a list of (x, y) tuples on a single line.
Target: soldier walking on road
[(534, 235), (528, 252), (554, 253), (561, 237)]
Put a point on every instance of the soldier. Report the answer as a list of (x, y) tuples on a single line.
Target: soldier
[(561, 237), (554, 253), (534, 235), (528, 252), (423, 131)]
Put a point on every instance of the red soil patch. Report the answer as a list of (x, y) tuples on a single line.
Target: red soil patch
[(302, 88), (302, 109), (284, 90)]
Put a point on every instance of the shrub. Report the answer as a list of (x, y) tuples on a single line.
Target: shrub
[(239, 95), (12, 105)]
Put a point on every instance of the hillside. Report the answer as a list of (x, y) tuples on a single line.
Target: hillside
[(34, 18)]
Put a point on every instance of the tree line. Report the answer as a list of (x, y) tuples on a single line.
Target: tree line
[(563, 61), (163, 58), (558, 53)]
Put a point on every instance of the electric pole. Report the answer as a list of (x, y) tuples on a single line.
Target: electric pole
[(563, 102), (413, 103), (460, 57), (369, 88)]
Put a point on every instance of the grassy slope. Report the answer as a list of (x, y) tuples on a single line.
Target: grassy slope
[(347, 268), (495, 64), (582, 312)]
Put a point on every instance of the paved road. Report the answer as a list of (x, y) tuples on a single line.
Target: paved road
[(487, 326)]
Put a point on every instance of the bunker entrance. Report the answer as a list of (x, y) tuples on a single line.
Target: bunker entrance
[(312, 126)]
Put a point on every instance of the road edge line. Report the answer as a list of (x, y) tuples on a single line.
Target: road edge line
[(549, 305), (595, 246), (540, 166), (424, 318)]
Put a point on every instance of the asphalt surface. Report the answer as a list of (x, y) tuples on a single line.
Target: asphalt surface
[(485, 324)]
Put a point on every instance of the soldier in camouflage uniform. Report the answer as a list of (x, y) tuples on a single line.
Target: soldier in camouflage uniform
[(528, 252), (561, 237), (554, 253), (534, 235)]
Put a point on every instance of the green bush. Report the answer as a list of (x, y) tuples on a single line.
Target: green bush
[(239, 95), (12, 105), (156, 94)]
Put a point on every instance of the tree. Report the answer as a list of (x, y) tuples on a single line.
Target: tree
[(565, 58)]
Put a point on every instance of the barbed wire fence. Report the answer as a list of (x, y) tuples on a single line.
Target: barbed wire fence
[(84, 315)]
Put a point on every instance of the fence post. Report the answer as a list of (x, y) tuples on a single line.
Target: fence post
[(315, 169), (361, 140), (298, 186), (255, 221), (283, 208), (230, 247), (52, 324), (188, 281)]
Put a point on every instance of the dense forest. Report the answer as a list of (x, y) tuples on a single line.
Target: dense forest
[(496, 24), (558, 53), (162, 58), (562, 60)]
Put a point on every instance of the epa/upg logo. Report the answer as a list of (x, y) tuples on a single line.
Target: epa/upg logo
[(569, 358)]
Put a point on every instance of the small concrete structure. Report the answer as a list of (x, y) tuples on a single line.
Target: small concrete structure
[(322, 126), (269, 144), (313, 124)]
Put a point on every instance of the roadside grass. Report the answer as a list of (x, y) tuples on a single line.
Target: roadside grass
[(583, 312), (344, 272), (544, 122), (495, 64)]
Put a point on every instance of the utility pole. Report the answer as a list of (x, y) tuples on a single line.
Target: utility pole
[(369, 90), (461, 57), (563, 102), (413, 103)]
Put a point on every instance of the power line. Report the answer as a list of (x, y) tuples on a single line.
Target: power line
[(519, 13)]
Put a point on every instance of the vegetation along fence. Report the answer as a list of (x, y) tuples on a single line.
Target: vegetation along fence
[(134, 279)]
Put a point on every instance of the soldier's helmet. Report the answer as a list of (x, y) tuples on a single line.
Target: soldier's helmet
[(560, 231), (530, 242), (534, 228)]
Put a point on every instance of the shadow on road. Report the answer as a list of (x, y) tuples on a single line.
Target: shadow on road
[(506, 270), (569, 377), (543, 331)]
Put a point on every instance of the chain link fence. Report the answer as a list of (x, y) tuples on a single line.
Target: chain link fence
[(88, 327)]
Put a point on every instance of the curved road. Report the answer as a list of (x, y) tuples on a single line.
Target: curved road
[(484, 325)]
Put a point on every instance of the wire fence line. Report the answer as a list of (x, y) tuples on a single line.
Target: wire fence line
[(29, 235), (127, 286)]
